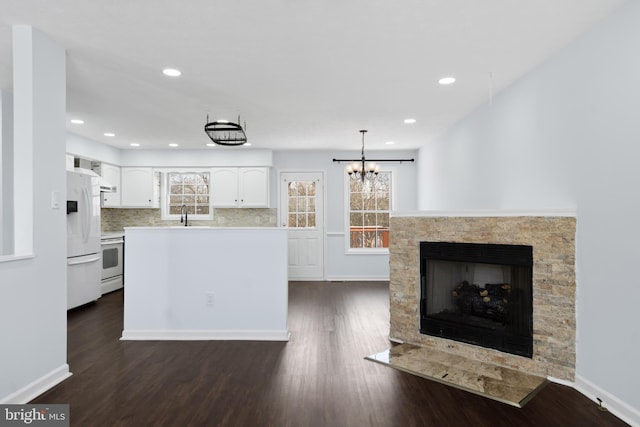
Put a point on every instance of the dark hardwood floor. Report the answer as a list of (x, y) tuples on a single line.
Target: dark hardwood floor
[(318, 378)]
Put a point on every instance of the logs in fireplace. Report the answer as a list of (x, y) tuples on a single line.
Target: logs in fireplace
[(479, 294)]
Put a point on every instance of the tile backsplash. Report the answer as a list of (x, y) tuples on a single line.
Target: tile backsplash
[(114, 220)]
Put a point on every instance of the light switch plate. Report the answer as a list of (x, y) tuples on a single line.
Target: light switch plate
[(55, 200)]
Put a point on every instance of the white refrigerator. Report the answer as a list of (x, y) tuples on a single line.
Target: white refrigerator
[(83, 237)]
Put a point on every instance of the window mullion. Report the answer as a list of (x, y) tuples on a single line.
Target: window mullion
[(368, 210)]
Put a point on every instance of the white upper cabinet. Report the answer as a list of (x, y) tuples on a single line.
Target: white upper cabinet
[(225, 188), (240, 187), (70, 162), (111, 174), (137, 189), (254, 187)]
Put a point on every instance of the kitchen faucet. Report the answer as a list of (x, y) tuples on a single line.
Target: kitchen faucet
[(183, 211)]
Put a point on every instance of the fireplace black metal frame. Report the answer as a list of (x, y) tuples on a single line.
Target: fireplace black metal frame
[(497, 338)]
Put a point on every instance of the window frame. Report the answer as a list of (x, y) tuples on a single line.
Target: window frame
[(347, 214), (164, 194), (306, 212)]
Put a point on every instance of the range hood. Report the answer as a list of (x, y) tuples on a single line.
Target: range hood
[(105, 186)]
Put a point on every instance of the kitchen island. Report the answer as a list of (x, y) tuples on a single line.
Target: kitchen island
[(205, 283)]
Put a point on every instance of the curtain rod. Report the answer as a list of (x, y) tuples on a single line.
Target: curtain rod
[(375, 160)]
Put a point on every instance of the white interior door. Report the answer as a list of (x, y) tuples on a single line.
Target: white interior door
[(302, 210)]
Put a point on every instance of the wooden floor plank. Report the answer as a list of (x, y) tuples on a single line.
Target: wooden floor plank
[(318, 378)]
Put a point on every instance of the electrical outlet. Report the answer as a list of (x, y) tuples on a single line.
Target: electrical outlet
[(210, 299)]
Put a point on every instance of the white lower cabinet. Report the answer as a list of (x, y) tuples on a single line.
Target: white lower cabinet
[(240, 187)]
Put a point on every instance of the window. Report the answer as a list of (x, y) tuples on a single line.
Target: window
[(368, 215), (187, 188), (302, 204)]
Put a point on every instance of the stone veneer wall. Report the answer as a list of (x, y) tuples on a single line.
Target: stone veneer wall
[(554, 286), (114, 220)]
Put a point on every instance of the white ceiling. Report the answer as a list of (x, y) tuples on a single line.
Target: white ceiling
[(303, 74)]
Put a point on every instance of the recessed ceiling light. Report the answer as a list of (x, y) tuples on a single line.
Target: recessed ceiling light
[(389, 142), (171, 72), (247, 144), (173, 144), (77, 121), (211, 144), (222, 121), (409, 121), (109, 134), (134, 144), (447, 80)]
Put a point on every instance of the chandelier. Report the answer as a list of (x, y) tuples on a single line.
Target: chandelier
[(363, 170), (224, 132), (360, 169)]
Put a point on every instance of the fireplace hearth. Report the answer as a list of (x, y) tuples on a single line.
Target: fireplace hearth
[(479, 294)]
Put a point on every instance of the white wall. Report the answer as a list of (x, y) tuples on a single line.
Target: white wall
[(215, 157), (33, 291), (567, 136), (338, 264), (80, 146), (6, 176)]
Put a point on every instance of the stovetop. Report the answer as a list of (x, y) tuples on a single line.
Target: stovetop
[(112, 235)]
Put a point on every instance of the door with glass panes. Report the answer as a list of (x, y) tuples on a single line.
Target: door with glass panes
[(301, 210)]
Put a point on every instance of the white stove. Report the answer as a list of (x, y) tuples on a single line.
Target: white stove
[(112, 245)]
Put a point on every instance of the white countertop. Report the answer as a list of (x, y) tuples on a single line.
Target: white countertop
[(112, 235), (203, 227)]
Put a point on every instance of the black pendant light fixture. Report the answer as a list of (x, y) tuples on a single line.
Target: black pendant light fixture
[(224, 132), (360, 169), (366, 170)]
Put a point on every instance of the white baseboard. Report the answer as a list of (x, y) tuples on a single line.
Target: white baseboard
[(358, 278), (613, 404), (204, 335), (562, 382), (616, 406), (305, 279), (37, 387)]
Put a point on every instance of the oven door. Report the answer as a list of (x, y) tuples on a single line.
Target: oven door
[(112, 258)]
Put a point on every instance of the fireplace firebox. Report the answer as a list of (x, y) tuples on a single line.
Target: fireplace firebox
[(479, 294)]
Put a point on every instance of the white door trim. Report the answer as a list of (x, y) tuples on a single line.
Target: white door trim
[(323, 176)]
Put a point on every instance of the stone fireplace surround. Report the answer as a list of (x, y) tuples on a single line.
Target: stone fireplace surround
[(552, 236)]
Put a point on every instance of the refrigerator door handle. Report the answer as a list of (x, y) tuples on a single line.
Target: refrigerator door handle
[(83, 260), (85, 217)]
